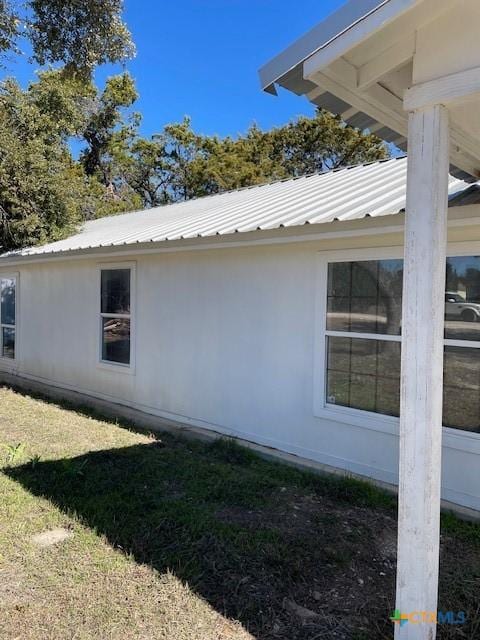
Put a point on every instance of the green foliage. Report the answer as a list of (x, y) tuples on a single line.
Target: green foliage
[(179, 164), (44, 192), (81, 35), (15, 452), (8, 26), (104, 115), (323, 142)]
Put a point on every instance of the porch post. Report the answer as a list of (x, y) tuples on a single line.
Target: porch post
[(422, 368)]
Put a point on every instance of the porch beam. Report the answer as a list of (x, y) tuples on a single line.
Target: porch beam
[(390, 60), (456, 87), (422, 368)]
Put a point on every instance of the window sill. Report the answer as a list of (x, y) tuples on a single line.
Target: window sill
[(467, 441), (358, 418), (116, 368)]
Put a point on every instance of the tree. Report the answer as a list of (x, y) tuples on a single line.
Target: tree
[(104, 125), (183, 172), (34, 199), (173, 165), (44, 192), (81, 34), (179, 164), (309, 145), (142, 167)]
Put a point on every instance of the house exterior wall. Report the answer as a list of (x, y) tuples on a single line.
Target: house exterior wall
[(225, 339)]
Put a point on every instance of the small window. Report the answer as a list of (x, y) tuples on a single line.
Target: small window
[(8, 288), (115, 315)]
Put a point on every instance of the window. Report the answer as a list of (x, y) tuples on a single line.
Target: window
[(461, 388), (364, 308), (363, 339), (8, 286), (115, 315)]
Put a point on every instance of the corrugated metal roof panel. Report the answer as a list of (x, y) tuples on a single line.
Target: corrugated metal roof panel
[(375, 189)]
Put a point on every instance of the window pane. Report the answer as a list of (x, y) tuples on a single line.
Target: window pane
[(116, 291), (7, 293), (364, 374), (8, 342), (461, 389), (116, 340), (365, 296), (462, 298)]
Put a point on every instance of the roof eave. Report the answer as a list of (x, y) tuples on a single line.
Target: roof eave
[(345, 28)]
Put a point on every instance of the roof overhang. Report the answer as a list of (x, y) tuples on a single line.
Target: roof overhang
[(360, 61)]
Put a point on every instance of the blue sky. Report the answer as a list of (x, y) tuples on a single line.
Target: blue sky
[(201, 57)]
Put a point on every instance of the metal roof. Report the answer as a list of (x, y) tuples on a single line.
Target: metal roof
[(375, 189)]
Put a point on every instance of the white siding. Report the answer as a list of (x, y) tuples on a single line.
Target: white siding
[(224, 339)]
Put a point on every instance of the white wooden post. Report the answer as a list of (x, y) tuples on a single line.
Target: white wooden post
[(422, 369)]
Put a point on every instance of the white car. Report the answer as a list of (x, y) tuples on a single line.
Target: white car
[(457, 307)]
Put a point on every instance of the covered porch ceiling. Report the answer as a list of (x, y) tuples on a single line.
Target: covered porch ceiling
[(361, 62)]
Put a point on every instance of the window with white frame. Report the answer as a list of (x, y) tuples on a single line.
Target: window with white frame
[(8, 290), (364, 308), (115, 315), (363, 338)]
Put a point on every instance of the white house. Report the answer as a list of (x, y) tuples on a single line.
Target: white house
[(280, 314), (271, 313), (410, 71)]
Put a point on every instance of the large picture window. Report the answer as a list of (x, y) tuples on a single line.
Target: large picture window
[(363, 338), (8, 297), (115, 315)]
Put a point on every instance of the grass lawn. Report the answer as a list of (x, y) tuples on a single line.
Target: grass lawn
[(169, 538)]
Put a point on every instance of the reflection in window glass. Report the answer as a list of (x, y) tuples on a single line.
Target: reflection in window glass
[(116, 340), (115, 315), (462, 298), (461, 388), (365, 297), (7, 317), (7, 296), (116, 291), (8, 343), (364, 374)]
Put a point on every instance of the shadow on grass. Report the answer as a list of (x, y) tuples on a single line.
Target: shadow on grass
[(254, 538), (244, 533)]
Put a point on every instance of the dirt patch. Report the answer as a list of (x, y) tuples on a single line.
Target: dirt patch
[(52, 537), (343, 554)]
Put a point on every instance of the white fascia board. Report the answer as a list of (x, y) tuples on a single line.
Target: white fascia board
[(462, 216), (356, 34)]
